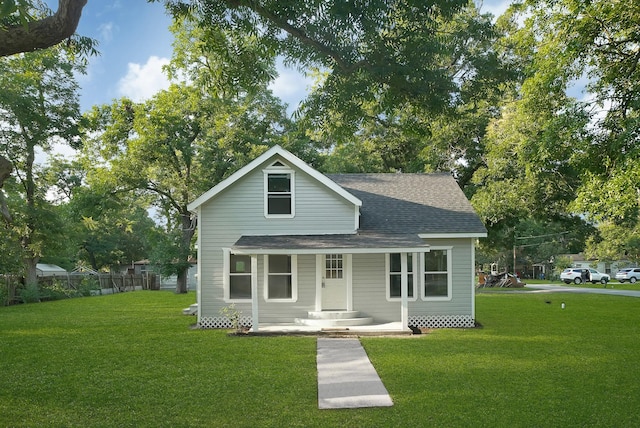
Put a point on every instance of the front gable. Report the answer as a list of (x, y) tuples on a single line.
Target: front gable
[(274, 157), (279, 194)]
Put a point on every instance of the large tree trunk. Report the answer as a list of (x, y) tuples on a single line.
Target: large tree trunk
[(43, 33), (181, 281), (5, 172), (187, 233), (31, 272)]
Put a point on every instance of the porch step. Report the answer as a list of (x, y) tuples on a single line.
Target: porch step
[(330, 315), (191, 310), (326, 319)]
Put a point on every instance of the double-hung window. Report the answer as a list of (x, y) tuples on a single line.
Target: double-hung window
[(280, 277), (437, 274), (239, 277), (394, 277), (279, 193)]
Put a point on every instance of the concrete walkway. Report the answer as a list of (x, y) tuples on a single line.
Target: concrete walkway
[(346, 377)]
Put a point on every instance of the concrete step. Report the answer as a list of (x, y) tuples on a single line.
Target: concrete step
[(191, 310), (330, 315), (334, 322)]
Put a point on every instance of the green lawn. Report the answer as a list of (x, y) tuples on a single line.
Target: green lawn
[(132, 360)]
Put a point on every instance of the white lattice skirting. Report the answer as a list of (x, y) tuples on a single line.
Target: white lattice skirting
[(222, 322), (442, 321), (419, 321)]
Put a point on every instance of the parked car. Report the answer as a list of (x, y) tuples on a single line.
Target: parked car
[(628, 274), (580, 275)]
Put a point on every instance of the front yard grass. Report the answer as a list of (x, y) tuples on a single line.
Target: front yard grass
[(131, 360)]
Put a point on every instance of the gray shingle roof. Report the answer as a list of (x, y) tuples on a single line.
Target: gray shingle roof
[(411, 203), (395, 209)]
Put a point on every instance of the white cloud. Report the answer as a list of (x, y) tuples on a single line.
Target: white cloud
[(290, 86), (143, 81), (106, 32)]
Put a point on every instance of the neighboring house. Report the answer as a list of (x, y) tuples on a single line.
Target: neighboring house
[(579, 261), (287, 244)]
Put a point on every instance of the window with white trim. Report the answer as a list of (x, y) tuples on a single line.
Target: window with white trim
[(394, 277), (239, 277), (437, 274), (333, 266), (279, 192), (280, 277)]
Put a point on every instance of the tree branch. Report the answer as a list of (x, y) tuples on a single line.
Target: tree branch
[(300, 34), (43, 33)]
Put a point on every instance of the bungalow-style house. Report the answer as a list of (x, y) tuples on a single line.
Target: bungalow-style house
[(289, 245)]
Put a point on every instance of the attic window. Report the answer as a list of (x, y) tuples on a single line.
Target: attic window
[(279, 192)]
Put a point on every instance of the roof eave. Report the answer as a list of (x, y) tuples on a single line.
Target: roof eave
[(453, 235)]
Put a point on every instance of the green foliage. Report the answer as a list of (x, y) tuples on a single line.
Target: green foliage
[(13, 12), (57, 290), (233, 315), (38, 106), (560, 264), (29, 293), (594, 41), (614, 243)]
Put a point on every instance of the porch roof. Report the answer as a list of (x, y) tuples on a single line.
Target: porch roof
[(328, 244)]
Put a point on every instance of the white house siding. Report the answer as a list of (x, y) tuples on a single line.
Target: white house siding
[(459, 311), (369, 290), (239, 210), (286, 312)]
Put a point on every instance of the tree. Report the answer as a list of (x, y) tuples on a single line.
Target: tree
[(408, 136), (613, 243), (176, 146), (38, 105), (598, 41), (19, 32), (388, 51), (104, 230)]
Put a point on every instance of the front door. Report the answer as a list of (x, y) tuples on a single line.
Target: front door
[(334, 283)]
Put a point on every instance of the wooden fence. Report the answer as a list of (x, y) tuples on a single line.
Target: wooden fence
[(11, 286)]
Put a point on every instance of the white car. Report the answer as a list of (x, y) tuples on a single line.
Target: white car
[(580, 275), (628, 274)]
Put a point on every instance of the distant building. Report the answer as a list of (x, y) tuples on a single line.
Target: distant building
[(45, 269)]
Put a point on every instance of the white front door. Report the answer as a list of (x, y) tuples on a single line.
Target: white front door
[(334, 283)]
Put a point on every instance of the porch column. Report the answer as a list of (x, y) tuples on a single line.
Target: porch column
[(254, 293), (404, 281)]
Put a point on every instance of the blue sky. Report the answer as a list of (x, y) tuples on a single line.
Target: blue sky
[(134, 42)]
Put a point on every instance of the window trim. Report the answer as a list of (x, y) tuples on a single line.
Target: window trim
[(279, 170), (226, 279), (449, 272), (416, 275), (294, 279)]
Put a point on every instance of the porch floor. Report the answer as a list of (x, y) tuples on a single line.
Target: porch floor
[(391, 328)]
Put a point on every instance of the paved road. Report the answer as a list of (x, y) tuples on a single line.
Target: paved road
[(543, 288)]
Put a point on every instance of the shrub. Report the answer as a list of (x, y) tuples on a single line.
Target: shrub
[(88, 286), (30, 293), (57, 290)]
